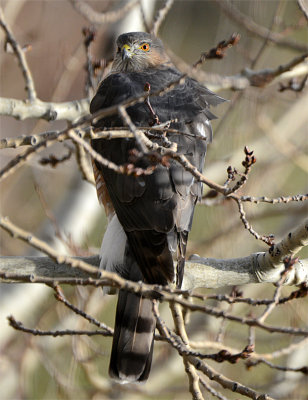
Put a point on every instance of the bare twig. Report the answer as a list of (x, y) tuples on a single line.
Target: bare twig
[(147, 290), (236, 298), (95, 17), (294, 84), (245, 78), (225, 382), (249, 161), (89, 37), (277, 200), (211, 390), (252, 363), (53, 161), (86, 133), (67, 332), (44, 247), (96, 156), (218, 51), (199, 272), (258, 30), (264, 77), (254, 356), (266, 239), (59, 295), (288, 262), (21, 159), (180, 329), (138, 136), (21, 59), (161, 15), (143, 17), (84, 165), (207, 370)]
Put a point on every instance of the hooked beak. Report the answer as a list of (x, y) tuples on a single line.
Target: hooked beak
[(126, 52)]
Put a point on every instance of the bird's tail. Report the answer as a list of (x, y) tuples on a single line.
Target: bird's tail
[(132, 347)]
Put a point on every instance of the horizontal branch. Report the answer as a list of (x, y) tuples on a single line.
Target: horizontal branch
[(72, 110), (20, 109), (199, 272)]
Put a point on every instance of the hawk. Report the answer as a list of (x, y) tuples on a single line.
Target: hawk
[(151, 214)]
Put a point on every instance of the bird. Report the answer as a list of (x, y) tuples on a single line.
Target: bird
[(150, 214)]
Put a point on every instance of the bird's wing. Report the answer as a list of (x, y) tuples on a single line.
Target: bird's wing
[(149, 207)]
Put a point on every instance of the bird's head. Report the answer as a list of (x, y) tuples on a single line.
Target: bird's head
[(137, 51)]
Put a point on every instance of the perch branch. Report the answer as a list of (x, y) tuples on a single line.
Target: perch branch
[(199, 272)]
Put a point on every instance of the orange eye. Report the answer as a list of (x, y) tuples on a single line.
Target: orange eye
[(145, 47)]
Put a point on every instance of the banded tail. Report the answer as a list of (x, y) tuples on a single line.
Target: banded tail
[(132, 347)]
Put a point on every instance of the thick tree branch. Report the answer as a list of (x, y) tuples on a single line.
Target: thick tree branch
[(72, 110), (199, 272), (20, 109)]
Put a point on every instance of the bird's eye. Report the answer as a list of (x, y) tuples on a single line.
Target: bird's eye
[(145, 47)]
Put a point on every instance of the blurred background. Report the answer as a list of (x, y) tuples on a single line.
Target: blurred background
[(61, 208)]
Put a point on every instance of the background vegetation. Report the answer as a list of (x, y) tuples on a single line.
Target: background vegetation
[(56, 204)]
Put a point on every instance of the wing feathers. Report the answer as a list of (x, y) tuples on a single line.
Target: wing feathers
[(154, 210)]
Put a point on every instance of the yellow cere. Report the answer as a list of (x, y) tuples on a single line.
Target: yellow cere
[(126, 47)]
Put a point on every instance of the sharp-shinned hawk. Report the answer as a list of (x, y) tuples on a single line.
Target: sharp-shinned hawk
[(154, 212)]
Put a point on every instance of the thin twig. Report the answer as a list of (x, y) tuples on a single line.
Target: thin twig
[(108, 17), (67, 332), (89, 37), (84, 165), (252, 363), (21, 58), (258, 30), (289, 262), (206, 369), (174, 340), (213, 392), (143, 17), (264, 77), (266, 239), (161, 15), (138, 135), (59, 295), (277, 200)]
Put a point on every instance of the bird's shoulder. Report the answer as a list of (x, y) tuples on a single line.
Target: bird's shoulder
[(186, 98)]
